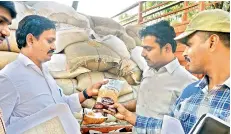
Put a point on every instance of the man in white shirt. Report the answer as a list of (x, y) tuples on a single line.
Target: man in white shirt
[(165, 78), (26, 85)]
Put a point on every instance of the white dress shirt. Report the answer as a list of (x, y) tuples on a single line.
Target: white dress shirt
[(160, 89), (26, 89)]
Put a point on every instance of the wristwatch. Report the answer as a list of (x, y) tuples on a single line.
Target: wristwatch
[(86, 95)]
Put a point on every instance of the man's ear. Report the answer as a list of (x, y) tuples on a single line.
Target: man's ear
[(29, 39), (213, 40), (168, 48)]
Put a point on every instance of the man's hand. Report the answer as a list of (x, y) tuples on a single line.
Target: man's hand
[(122, 113), (94, 89)]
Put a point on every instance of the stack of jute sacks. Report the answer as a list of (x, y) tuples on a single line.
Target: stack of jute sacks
[(89, 49)]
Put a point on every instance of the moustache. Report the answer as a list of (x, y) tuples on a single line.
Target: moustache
[(187, 58), (145, 58), (51, 51)]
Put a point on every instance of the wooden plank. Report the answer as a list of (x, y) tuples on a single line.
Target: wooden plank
[(105, 129)]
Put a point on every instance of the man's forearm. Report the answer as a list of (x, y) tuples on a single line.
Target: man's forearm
[(131, 105), (81, 97)]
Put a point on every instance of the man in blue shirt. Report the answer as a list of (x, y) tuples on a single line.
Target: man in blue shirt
[(208, 51)]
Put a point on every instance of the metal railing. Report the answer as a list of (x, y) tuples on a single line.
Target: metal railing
[(151, 14)]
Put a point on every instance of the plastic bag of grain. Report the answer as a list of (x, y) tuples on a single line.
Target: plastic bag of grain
[(86, 79), (108, 94)]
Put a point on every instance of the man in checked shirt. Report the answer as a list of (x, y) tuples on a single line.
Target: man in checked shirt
[(208, 51)]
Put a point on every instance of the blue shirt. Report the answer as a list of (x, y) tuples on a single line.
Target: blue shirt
[(189, 109)]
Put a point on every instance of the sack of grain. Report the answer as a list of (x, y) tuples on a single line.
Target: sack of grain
[(87, 79), (6, 58), (116, 45), (89, 103), (59, 69), (137, 58), (61, 13), (69, 86), (127, 97), (129, 70), (69, 36), (22, 11), (129, 41), (105, 22), (133, 31), (67, 74), (92, 55), (10, 44), (131, 96)]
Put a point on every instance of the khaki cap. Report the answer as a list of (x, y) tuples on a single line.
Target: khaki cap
[(215, 20)]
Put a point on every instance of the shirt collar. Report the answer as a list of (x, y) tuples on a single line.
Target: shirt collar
[(204, 82), (171, 66), (28, 62), (25, 60), (227, 82)]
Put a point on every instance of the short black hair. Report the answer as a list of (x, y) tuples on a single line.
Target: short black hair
[(9, 5), (163, 32), (224, 37), (33, 24)]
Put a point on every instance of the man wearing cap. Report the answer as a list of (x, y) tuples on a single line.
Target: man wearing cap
[(208, 51)]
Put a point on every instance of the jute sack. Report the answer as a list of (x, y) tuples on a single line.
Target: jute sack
[(10, 44), (59, 69), (67, 74), (89, 103), (127, 97), (103, 31), (137, 58), (133, 31), (131, 96), (105, 22), (22, 11), (129, 70), (87, 79), (61, 13), (116, 44), (69, 36), (92, 55), (6, 58), (68, 86), (89, 19)]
